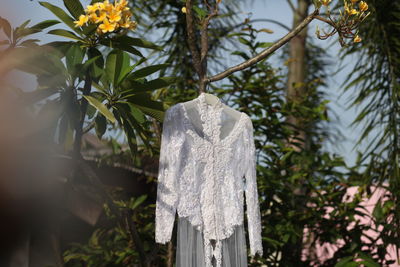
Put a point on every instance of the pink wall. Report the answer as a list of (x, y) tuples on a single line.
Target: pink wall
[(324, 251)]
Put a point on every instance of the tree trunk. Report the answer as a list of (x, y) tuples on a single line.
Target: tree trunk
[(296, 91)]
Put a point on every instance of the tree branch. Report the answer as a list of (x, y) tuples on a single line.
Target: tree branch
[(267, 51), (192, 37), (79, 124), (204, 46)]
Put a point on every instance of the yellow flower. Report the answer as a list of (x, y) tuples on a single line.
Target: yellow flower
[(91, 8), (99, 6), (121, 5), (354, 1), (82, 20), (106, 26), (108, 7), (133, 25), (357, 39), (93, 17), (102, 17), (127, 13), (363, 6), (125, 24), (325, 2), (114, 16), (351, 11), (183, 9), (354, 12)]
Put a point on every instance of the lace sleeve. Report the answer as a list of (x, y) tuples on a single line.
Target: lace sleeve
[(253, 208), (167, 187)]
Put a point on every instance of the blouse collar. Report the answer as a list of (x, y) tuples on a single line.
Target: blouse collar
[(204, 105)]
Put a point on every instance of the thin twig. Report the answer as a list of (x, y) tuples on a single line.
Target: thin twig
[(291, 5), (326, 21), (266, 52)]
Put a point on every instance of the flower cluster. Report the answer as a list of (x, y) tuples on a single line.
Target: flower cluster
[(349, 20), (351, 7), (109, 16)]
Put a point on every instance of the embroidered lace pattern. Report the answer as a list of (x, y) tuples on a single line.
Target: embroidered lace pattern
[(203, 177)]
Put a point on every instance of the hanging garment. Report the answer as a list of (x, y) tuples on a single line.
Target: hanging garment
[(203, 173)]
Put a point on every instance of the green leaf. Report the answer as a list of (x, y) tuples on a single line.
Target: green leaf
[(241, 54), (143, 72), (96, 69), (378, 211), (61, 15), (150, 107), (19, 33), (131, 41), (101, 125), (125, 47), (138, 87), (137, 114), (45, 24), (124, 73), (65, 33), (346, 262), (74, 7), (91, 61), (89, 29), (23, 25), (6, 27), (367, 261), (73, 57), (200, 12), (63, 129), (265, 44), (20, 29), (138, 201), (128, 129), (100, 107), (117, 65), (244, 41), (317, 4), (60, 47), (37, 95), (37, 61)]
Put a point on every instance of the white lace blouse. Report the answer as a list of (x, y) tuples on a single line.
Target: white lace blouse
[(203, 174)]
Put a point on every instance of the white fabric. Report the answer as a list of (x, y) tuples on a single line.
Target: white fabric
[(190, 247), (203, 174)]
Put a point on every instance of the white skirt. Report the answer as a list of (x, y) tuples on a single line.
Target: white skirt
[(190, 247)]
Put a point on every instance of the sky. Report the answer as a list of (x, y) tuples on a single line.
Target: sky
[(19, 11)]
